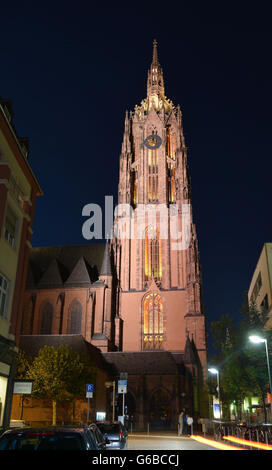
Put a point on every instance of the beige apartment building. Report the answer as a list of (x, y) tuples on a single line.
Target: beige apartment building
[(260, 290), (18, 191)]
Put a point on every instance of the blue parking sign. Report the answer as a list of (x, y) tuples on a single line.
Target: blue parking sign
[(89, 391)]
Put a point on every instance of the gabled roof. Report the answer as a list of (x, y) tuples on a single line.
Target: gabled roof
[(55, 274), (52, 266), (80, 274)]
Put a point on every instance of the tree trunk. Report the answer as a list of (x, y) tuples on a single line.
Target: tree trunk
[(54, 420), (22, 406), (73, 411)]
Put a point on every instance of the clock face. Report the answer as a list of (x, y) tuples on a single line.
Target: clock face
[(153, 141)]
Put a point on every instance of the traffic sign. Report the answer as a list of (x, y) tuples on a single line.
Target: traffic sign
[(122, 386), (89, 391)]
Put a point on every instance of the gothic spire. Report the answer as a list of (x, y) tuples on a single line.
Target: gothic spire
[(155, 84)]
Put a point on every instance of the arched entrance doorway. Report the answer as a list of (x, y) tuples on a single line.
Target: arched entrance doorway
[(160, 410)]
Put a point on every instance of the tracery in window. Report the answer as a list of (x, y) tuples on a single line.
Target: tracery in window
[(171, 184), (152, 321), (152, 175), (170, 144), (153, 261)]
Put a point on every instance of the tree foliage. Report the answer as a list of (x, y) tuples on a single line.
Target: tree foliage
[(242, 365), (59, 374)]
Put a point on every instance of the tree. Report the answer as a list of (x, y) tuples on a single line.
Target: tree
[(59, 374), (243, 368), (24, 362)]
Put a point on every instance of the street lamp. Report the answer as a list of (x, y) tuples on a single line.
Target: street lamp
[(257, 339), (212, 370), (108, 385)]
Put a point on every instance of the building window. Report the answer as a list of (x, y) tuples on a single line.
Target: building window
[(152, 321), (152, 175), (170, 144), (171, 184), (47, 319), (153, 264), (75, 318), (4, 286), (256, 289), (135, 186), (10, 227), (264, 304)]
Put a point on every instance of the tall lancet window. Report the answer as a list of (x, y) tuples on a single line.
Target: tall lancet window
[(170, 144), (75, 318), (47, 319), (134, 188), (152, 321), (152, 175), (171, 153), (171, 183), (153, 264)]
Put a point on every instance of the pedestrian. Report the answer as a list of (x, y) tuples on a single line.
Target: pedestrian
[(180, 423), (189, 425), (185, 423)]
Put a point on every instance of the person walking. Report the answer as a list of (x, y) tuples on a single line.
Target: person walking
[(180, 423), (189, 425)]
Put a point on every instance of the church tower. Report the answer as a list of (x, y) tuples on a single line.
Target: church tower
[(156, 257)]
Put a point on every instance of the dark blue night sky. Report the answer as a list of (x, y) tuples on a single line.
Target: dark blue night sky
[(71, 70)]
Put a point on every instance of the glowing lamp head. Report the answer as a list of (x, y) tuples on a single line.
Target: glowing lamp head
[(213, 371), (256, 339)]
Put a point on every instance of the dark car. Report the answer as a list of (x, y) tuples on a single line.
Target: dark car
[(99, 437), (50, 438), (116, 434)]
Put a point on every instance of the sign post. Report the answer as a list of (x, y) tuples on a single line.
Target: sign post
[(89, 394), (122, 388)]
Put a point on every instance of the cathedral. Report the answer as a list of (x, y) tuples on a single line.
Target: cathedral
[(137, 298)]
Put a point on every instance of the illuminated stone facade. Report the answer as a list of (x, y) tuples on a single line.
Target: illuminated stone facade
[(159, 287)]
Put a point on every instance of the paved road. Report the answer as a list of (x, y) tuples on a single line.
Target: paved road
[(162, 442)]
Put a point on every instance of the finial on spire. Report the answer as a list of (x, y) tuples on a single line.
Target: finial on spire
[(155, 52), (155, 85)]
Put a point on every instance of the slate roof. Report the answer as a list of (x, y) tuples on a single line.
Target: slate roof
[(57, 266), (32, 343), (145, 362)]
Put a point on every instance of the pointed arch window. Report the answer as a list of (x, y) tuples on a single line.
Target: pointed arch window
[(170, 143), (153, 262), (152, 156), (75, 318), (47, 319), (152, 321)]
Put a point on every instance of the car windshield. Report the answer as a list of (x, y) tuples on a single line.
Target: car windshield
[(109, 428), (42, 441)]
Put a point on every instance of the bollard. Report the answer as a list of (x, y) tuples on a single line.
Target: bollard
[(131, 428), (266, 440), (147, 428)]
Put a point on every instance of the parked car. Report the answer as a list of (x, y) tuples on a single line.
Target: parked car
[(50, 438), (100, 439), (116, 434)]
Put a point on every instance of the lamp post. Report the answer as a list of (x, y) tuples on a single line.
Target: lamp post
[(212, 370), (257, 339), (108, 385)]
